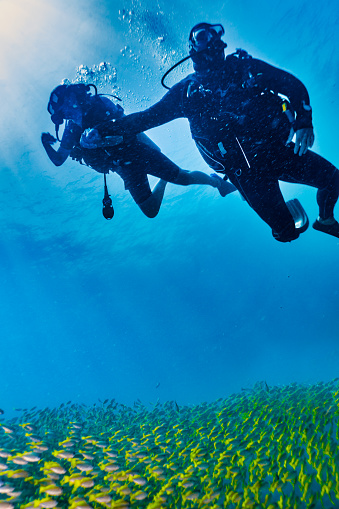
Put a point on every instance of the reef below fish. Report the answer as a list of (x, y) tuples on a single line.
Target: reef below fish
[(266, 447)]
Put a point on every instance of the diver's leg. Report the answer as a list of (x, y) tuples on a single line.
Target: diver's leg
[(136, 182), (265, 198), (187, 178), (158, 165), (313, 170), (151, 206), (326, 199)]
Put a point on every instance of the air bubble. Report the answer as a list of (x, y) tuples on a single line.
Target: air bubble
[(100, 75)]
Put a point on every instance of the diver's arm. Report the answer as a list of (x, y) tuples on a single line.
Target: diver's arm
[(58, 157), (167, 109), (283, 82)]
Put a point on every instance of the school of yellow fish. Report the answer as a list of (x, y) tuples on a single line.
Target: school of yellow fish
[(266, 447)]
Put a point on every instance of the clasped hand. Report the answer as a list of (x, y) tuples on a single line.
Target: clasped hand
[(304, 139), (47, 139), (91, 138)]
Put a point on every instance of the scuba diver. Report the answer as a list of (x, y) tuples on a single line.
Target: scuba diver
[(243, 114), (132, 160)]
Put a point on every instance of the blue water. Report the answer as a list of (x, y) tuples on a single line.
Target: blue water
[(190, 306)]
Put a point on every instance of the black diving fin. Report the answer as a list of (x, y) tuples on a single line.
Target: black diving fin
[(299, 215)]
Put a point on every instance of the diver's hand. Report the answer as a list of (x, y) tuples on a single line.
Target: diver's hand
[(304, 139), (90, 138), (47, 139)]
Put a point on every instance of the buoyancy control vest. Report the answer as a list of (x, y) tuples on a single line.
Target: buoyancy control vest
[(101, 110), (231, 113)]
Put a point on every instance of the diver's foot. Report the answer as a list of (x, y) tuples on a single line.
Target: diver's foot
[(224, 187), (329, 226)]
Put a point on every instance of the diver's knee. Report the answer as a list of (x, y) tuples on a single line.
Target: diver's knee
[(151, 214), (286, 235), (334, 183), (149, 207)]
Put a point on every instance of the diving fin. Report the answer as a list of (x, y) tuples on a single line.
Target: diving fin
[(299, 215)]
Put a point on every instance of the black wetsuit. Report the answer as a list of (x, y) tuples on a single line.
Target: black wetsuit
[(240, 123), (132, 160)]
